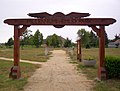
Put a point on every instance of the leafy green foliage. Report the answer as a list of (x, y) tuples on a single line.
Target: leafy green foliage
[(28, 39), (10, 42), (67, 43), (93, 40), (24, 40), (54, 40), (38, 39), (106, 40), (116, 37), (112, 65), (90, 39), (84, 35)]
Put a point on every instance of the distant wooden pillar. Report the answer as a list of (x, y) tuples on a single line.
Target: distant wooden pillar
[(46, 49), (15, 70), (79, 50), (102, 74)]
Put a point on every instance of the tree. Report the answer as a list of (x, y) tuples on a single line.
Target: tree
[(106, 40), (84, 35), (25, 38), (10, 42), (49, 40), (116, 37), (93, 39), (31, 38), (88, 39), (38, 39), (54, 40), (67, 43), (117, 45), (41, 39)]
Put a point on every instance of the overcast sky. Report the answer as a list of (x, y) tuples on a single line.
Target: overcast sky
[(20, 9)]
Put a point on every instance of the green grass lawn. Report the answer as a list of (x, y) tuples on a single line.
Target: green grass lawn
[(91, 72), (32, 54), (7, 84), (37, 54), (95, 52)]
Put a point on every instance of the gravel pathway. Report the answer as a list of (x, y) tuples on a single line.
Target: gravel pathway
[(58, 75)]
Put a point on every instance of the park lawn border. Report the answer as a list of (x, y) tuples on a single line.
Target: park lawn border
[(91, 72), (8, 84), (31, 54)]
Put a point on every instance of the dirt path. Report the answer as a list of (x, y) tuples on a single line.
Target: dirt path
[(58, 75), (25, 61)]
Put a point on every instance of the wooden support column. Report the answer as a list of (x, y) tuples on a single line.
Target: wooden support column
[(102, 74), (15, 70), (16, 46)]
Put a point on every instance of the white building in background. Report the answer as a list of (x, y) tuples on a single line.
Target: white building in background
[(111, 45), (114, 44)]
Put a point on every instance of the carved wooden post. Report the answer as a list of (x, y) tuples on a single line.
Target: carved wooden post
[(102, 74), (15, 70), (16, 46)]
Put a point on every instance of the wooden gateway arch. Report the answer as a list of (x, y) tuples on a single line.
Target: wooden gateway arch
[(59, 20)]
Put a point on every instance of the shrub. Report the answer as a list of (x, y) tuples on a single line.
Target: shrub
[(87, 46), (112, 65)]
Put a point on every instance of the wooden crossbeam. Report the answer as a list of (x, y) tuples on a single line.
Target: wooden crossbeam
[(61, 21)]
